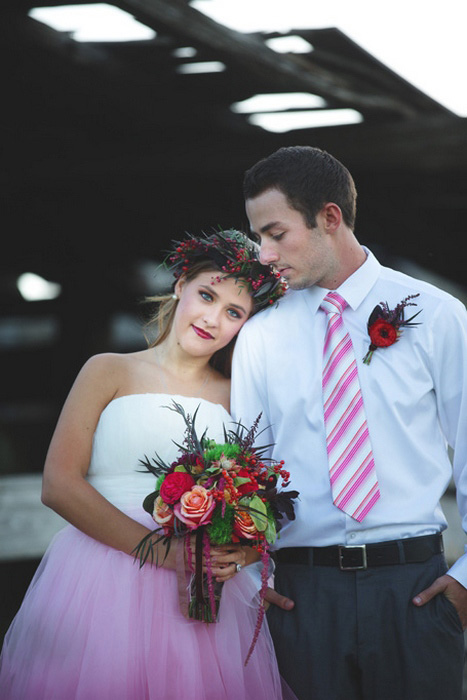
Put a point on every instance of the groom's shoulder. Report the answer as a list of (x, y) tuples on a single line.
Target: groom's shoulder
[(429, 292), (274, 315)]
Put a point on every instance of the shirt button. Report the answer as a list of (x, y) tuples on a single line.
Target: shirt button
[(352, 536)]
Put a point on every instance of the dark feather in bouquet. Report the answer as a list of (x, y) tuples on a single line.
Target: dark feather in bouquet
[(283, 505)]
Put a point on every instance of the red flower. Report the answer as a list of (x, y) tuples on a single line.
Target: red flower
[(175, 485), (248, 486), (385, 325), (382, 333)]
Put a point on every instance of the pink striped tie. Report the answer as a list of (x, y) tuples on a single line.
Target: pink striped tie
[(352, 471)]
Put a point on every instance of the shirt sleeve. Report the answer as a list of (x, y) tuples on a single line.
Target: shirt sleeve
[(450, 374), (249, 398)]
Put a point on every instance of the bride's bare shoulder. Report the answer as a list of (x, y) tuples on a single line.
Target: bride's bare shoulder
[(112, 365)]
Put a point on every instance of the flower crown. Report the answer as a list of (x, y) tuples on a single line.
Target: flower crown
[(234, 254)]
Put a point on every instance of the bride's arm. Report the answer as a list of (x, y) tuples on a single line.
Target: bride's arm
[(64, 487)]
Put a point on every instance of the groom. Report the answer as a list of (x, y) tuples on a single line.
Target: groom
[(362, 422)]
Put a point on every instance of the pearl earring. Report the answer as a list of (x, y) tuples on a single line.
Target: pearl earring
[(174, 296)]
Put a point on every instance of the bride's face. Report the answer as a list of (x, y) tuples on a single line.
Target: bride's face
[(209, 312)]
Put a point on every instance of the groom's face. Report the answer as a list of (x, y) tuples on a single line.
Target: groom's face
[(301, 254)]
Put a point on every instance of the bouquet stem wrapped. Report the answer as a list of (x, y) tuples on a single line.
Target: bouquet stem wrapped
[(205, 591)]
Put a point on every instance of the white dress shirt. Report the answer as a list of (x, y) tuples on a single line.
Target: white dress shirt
[(415, 396)]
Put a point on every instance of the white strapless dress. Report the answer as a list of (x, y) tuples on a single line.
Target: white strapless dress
[(94, 626)]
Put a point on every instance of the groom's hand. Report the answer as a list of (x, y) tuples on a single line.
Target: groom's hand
[(274, 598), (452, 589)]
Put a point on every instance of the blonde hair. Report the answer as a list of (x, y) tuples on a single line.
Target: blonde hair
[(162, 319)]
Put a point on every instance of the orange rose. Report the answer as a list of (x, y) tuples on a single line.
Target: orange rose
[(163, 515), (244, 526), (195, 507)]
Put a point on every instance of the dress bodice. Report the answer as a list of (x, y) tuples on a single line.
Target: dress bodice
[(138, 425)]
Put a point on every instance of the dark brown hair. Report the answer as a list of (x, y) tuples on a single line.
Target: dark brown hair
[(308, 177)]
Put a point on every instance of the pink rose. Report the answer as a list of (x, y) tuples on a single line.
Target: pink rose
[(174, 485), (163, 515), (244, 526), (195, 507)]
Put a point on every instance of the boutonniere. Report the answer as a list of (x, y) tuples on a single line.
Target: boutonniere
[(385, 325)]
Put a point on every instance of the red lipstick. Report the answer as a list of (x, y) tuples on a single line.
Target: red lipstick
[(202, 334)]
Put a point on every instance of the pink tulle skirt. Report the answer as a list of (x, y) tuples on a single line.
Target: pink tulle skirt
[(94, 626)]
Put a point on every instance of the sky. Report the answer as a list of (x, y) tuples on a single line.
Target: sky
[(424, 42)]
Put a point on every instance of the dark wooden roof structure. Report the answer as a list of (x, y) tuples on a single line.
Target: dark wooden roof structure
[(109, 152)]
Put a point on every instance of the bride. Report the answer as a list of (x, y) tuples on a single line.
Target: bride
[(93, 625)]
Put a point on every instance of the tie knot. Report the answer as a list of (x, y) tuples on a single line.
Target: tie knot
[(333, 303)]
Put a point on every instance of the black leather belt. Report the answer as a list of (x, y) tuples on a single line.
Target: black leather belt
[(362, 556)]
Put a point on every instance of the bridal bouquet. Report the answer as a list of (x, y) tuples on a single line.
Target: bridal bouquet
[(221, 493)]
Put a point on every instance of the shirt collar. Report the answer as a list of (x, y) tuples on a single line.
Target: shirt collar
[(354, 289)]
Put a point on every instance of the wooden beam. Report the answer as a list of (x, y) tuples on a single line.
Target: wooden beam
[(282, 71)]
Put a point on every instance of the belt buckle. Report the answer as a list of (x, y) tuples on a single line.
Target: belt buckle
[(355, 567)]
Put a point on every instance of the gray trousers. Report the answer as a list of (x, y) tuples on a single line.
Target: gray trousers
[(356, 635)]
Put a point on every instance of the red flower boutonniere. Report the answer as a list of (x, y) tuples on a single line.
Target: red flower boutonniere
[(385, 325)]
